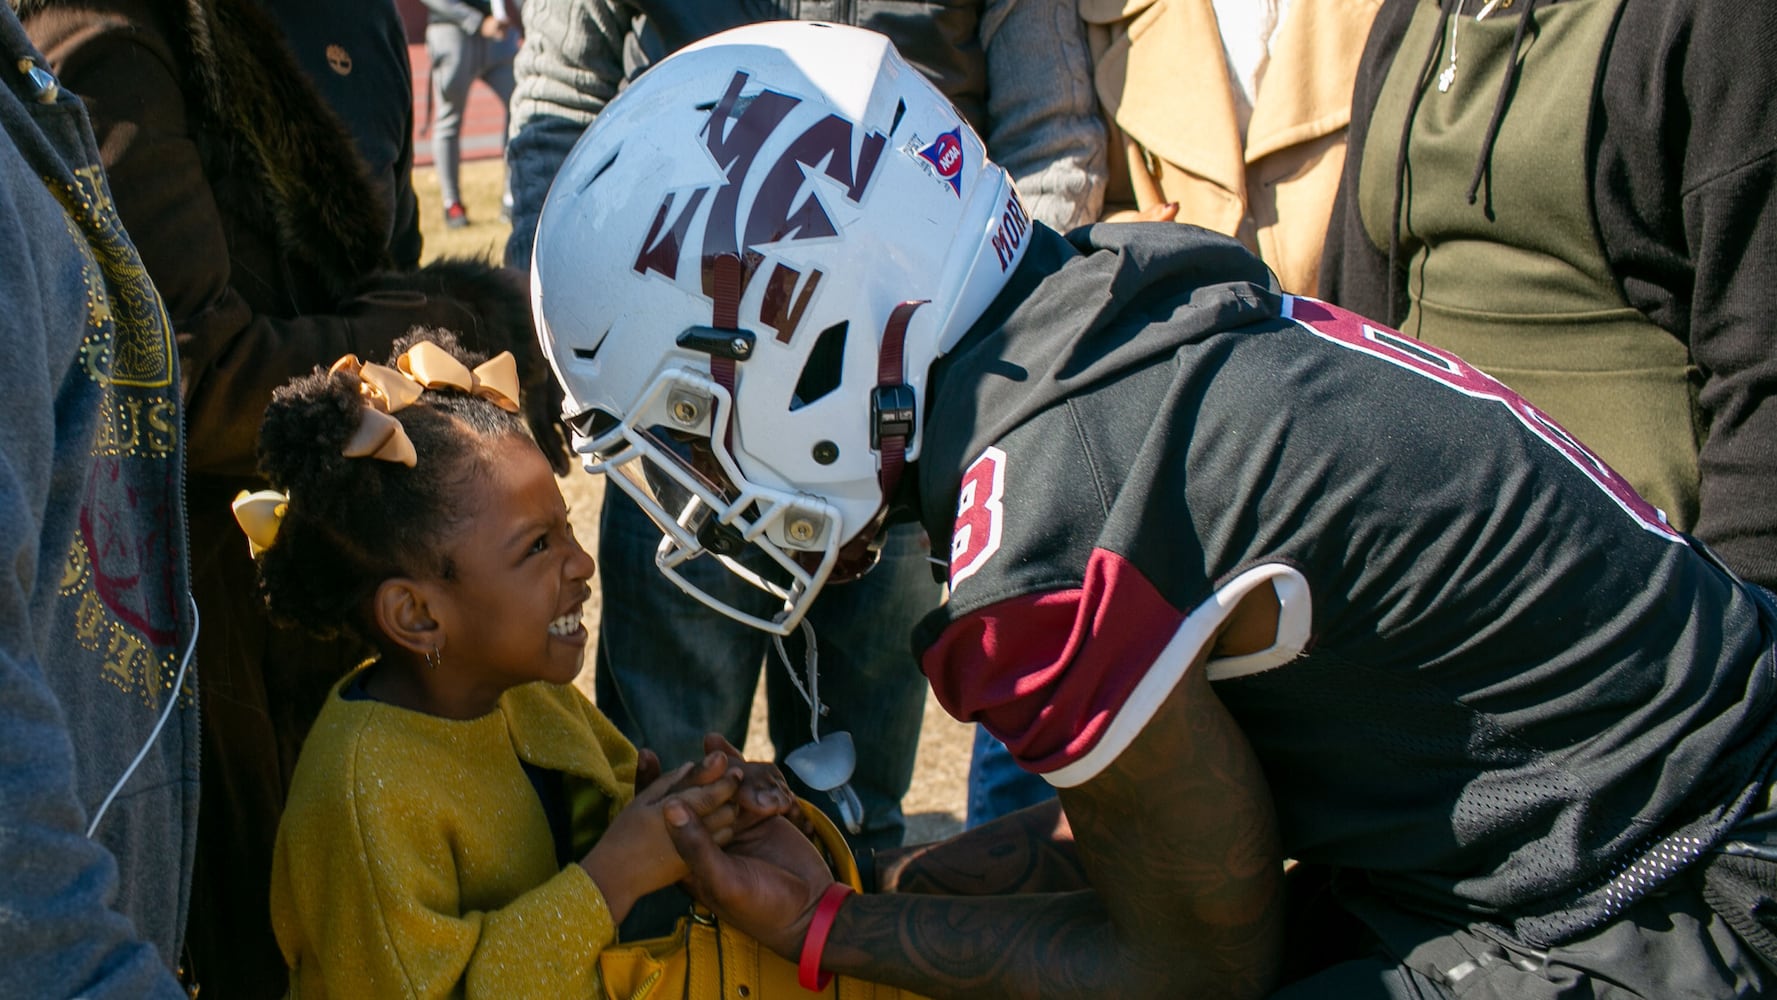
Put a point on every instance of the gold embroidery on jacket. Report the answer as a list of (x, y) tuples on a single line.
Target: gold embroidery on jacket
[(119, 573), (119, 290), (128, 662)]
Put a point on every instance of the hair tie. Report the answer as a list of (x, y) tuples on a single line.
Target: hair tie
[(260, 515)]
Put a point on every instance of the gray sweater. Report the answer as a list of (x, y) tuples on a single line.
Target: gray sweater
[(93, 608)]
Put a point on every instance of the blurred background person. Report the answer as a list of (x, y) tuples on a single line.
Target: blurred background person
[(1257, 150), (466, 41)]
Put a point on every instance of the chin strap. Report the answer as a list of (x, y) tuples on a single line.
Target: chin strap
[(893, 409), (725, 315), (811, 691)]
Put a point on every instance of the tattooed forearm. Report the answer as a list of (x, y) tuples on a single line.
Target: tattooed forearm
[(1031, 850), (1178, 841), (1180, 836), (1054, 945)]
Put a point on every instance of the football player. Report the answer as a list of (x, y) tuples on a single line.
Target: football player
[(1245, 576)]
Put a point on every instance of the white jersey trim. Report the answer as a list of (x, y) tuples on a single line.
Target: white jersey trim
[(1294, 624)]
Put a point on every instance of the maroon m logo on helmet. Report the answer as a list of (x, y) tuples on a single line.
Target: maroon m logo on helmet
[(782, 209)]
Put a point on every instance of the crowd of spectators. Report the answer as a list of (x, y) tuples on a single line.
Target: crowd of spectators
[(210, 198)]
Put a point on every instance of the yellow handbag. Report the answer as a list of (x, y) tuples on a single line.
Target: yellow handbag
[(702, 959)]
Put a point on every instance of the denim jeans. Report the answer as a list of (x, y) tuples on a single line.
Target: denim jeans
[(997, 785), (671, 669)]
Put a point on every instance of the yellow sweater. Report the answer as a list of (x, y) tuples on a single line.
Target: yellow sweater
[(414, 858)]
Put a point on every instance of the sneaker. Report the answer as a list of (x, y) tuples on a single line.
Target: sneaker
[(455, 217)]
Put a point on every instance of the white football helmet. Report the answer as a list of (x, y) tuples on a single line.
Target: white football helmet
[(741, 275)]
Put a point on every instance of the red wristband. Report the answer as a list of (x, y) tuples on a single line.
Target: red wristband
[(808, 971)]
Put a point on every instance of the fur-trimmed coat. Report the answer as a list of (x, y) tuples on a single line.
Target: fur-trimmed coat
[(275, 250)]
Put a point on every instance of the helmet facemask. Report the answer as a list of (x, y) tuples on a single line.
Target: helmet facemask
[(692, 489)]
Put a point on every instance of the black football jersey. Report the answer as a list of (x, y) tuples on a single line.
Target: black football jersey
[(1501, 684)]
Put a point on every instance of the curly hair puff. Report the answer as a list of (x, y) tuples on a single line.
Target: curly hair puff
[(352, 523)]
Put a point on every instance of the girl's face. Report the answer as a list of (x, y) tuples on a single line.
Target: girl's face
[(511, 613)]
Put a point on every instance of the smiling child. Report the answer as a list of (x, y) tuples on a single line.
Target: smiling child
[(461, 819)]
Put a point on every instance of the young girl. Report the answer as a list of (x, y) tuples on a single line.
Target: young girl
[(462, 820)]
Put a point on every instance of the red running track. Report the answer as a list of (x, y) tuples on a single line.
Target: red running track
[(483, 122)]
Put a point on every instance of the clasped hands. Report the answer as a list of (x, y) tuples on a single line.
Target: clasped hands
[(754, 866)]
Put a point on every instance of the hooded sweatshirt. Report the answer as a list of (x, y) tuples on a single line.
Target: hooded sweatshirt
[(95, 620), (1680, 161)]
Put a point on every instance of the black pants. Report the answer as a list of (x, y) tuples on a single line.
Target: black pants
[(1671, 944)]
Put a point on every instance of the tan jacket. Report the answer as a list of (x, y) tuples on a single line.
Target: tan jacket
[(1163, 83)]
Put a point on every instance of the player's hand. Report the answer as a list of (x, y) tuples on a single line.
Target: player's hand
[(636, 855), (763, 791), (779, 842), (767, 883), (492, 27)]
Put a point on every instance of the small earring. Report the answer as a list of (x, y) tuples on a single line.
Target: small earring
[(434, 656)]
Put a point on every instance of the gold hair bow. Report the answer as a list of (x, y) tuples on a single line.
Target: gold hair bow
[(495, 380), (423, 366), (385, 391), (260, 515)]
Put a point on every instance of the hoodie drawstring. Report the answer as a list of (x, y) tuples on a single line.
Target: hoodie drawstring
[(1506, 85), (1447, 9)]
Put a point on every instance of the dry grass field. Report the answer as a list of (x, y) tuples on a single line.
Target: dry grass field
[(935, 805)]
